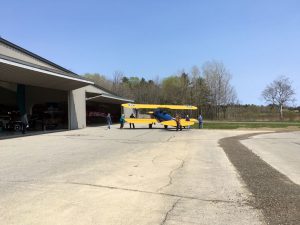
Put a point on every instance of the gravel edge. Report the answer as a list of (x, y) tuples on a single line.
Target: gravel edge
[(274, 193)]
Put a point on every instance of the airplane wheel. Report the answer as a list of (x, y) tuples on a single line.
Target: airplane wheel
[(166, 126), (150, 126), (17, 127)]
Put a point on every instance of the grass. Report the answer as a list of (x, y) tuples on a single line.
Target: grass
[(247, 125)]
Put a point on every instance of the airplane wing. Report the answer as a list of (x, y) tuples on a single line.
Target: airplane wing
[(143, 121), (151, 106), (179, 107)]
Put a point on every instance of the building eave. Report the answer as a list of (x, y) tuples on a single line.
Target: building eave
[(12, 45), (12, 71)]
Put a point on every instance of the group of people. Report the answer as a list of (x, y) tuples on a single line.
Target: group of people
[(177, 119), (122, 121), (187, 118)]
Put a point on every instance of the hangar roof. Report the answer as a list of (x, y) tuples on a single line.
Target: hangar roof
[(19, 65), (14, 51), (96, 93), (22, 66)]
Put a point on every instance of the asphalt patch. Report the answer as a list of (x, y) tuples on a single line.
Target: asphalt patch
[(274, 193)]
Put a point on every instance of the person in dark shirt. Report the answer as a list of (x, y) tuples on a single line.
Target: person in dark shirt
[(187, 118), (178, 125), (200, 119), (132, 116), (24, 121), (109, 122), (122, 121)]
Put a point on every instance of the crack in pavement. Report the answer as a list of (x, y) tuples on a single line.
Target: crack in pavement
[(128, 141), (154, 193), (170, 138), (154, 158), (169, 211), (171, 175), (130, 190), (142, 134)]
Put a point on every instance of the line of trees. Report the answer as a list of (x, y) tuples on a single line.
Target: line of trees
[(208, 88)]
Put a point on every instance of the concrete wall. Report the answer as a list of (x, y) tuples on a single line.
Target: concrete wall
[(77, 109), (77, 105)]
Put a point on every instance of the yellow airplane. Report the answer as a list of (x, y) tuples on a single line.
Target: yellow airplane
[(160, 116)]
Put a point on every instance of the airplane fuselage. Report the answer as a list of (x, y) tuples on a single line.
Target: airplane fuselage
[(161, 115)]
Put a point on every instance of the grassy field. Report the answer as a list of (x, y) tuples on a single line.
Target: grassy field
[(248, 125)]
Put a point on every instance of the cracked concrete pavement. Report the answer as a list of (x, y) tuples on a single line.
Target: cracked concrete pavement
[(137, 176)]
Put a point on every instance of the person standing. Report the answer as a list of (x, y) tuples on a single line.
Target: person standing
[(24, 121), (109, 122), (122, 121), (132, 116), (187, 118), (200, 119), (178, 125)]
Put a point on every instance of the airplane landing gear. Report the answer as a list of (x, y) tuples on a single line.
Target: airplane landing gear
[(166, 126), (150, 126)]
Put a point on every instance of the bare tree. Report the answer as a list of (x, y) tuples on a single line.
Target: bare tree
[(117, 81), (222, 93), (199, 90), (280, 93), (195, 72)]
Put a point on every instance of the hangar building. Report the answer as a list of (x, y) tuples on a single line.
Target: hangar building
[(51, 96)]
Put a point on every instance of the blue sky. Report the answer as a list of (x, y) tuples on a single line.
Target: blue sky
[(256, 40)]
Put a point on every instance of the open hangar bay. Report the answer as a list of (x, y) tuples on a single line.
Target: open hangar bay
[(52, 97)]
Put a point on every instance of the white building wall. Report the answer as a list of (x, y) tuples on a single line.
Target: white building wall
[(77, 109), (77, 105)]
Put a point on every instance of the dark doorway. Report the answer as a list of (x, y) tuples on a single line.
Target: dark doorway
[(96, 112), (46, 109)]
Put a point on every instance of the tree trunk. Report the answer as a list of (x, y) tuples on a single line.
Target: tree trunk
[(281, 112)]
